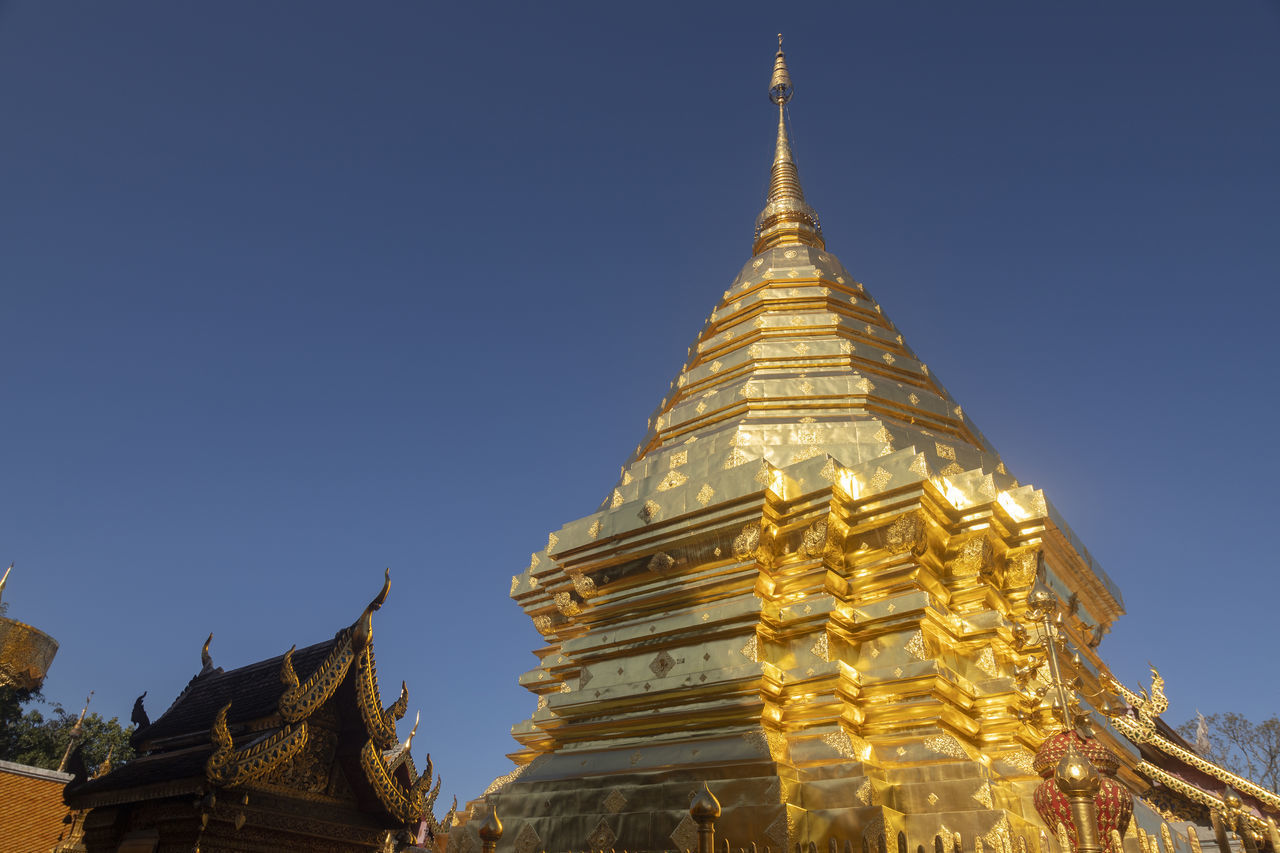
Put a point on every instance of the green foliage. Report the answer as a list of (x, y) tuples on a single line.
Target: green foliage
[(39, 738), (1232, 741)]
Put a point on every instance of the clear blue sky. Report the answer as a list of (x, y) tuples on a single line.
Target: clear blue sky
[(294, 292)]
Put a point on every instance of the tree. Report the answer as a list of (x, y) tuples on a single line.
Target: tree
[(40, 739), (1236, 743)]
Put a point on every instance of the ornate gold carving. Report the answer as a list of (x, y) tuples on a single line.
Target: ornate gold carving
[(309, 769), (975, 557), (880, 479), (705, 494), (814, 540), (1000, 835), (602, 837), (805, 453), (821, 648), (1192, 793), (380, 723), (983, 795), (594, 530), (1020, 567), (685, 835), (505, 779), (229, 767), (779, 831), (405, 804), (527, 839), (662, 664), (583, 585), (916, 646), (986, 661), (747, 542), (906, 533), (750, 651), (841, 743), (1143, 730), (1019, 758), (946, 745), (661, 562), (566, 605), (650, 511), (300, 701), (615, 802), (672, 480)]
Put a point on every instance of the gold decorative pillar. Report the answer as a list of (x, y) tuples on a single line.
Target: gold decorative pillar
[(1080, 782)]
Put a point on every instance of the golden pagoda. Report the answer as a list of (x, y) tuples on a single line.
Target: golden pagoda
[(807, 590)]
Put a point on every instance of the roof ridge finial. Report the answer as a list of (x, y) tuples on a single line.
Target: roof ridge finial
[(786, 218), (5, 580)]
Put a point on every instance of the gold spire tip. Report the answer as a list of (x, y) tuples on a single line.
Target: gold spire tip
[(786, 219), (780, 88)]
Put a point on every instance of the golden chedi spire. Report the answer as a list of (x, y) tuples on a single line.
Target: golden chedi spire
[(801, 583), (786, 219)]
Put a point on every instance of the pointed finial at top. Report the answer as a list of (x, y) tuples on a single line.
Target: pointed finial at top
[(408, 742), (4, 580), (780, 88), (786, 219), (362, 631), (206, 659)]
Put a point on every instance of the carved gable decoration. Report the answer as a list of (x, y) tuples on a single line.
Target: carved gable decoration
[(302, 733)]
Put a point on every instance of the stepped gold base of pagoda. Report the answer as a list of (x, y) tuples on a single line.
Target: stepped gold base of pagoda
[(835, 651), (585, 802)]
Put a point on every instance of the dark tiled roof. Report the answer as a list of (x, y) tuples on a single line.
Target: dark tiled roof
[(252, 690), (145, 770)]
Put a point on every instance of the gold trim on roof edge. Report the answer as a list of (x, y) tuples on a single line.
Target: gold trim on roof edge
[(1143, 730), (230, 767), (1193, 793), (406, 805), (301, 700), (380, 723)]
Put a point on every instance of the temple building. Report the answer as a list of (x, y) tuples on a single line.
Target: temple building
[(808, 589), (294, 752)]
